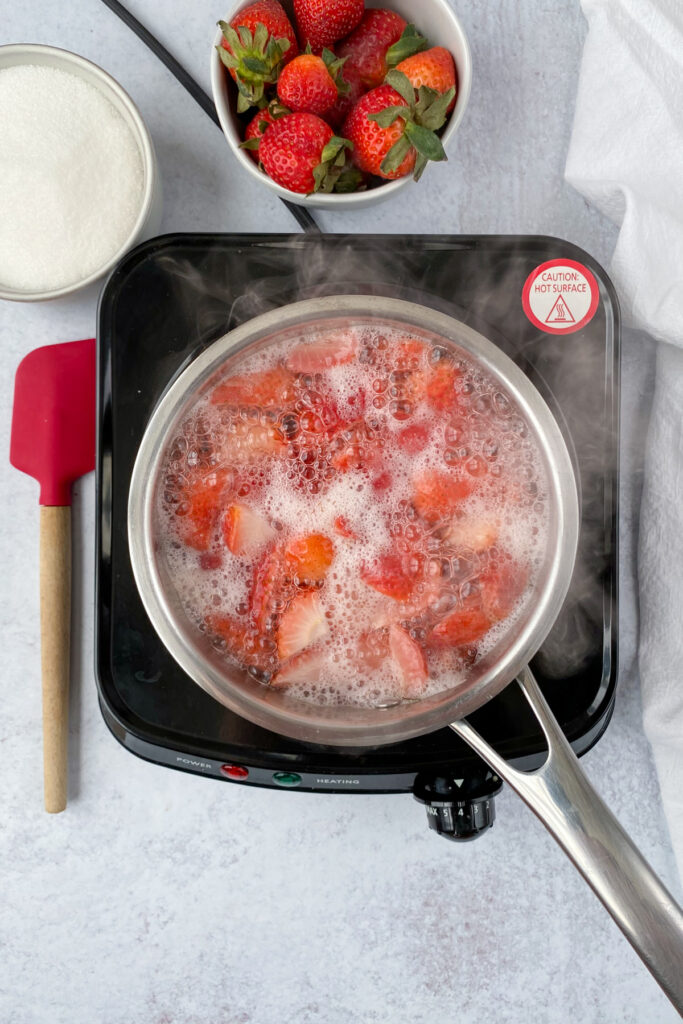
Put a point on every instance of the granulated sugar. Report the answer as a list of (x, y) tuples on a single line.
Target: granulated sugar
[(71, 179)]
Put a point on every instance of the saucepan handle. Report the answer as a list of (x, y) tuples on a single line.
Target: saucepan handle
[(561, 796)]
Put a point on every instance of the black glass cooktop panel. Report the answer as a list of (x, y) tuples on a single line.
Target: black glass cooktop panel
[(174, 295)]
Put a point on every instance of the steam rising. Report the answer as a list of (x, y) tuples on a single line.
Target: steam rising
[(571, 371)]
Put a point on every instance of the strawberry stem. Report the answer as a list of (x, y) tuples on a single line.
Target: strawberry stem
[(332, 165), (425, 113), (410, 43), (255, 61)]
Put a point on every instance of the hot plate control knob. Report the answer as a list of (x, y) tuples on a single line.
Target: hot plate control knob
[(459, 808)]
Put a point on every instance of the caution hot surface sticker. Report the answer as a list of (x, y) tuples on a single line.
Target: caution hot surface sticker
[(560, 296)]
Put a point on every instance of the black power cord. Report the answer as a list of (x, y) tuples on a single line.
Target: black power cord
[(300, 214)]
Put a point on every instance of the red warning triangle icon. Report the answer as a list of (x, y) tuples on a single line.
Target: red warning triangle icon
[(560, 313)]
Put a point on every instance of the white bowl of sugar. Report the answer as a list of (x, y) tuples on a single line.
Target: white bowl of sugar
[(79, 184)]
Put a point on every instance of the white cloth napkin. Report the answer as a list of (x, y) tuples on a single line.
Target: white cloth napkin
[(626, 156)]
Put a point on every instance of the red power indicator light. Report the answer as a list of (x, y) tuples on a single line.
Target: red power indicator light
[(234, 771)]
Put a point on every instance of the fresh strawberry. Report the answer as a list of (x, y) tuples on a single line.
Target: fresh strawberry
[(437, 495), (255, 131), (303, 624), (309, 84), (256, 45), (259, 125), (393, 128), (322, 22), (246, 644), (344, 529), (330, 350), (301, 153), (365, 49), (501, 587), (263, 388), (409, 661), (441, 388), (245, 531), (477, 534), (464, 625), (308, 558), (200, 505), (433, 68), (368, 54), (303, 668), (387, 575), (413, 439), (347, 98), (372, 142)]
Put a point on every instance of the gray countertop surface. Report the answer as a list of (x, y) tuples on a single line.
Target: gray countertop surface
[(161, 899)]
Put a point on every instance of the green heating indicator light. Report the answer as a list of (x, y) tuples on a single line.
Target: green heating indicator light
[(288, 779)]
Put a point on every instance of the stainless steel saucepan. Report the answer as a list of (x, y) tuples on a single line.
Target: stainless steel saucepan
[(558, 792)]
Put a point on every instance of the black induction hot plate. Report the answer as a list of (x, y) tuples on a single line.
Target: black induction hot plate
[(170, 298)]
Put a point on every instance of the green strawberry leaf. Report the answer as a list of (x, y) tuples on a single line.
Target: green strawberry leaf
[(332, 63), (250, 94), (228, 32), (433, 114), (411, 42), (243, 103), (277, 109), (255, 65), (402, 84), (420, 164), (319, 174), (245, 88), (387, 116), (326, 177), (246, 37), (425, 98), (396, 155), (230, 36), (226, 57), (334, 147), (261, 36), (250, 143), (275, 50), (425, 142), (334, 66), (254, 62), (350, 180), (332, 164)]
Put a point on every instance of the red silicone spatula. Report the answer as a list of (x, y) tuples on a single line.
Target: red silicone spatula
[(53, 440)]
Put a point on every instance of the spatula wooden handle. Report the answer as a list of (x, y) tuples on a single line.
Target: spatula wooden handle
[(55, 648)]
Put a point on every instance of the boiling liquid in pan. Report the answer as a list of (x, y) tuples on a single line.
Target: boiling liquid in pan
[(357, 452)]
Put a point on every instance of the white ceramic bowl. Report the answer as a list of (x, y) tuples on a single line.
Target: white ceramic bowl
[(435, 19), (149, 216)]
